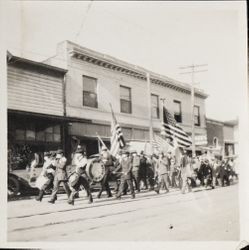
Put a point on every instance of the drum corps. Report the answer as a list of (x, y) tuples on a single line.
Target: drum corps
[(129, 172)]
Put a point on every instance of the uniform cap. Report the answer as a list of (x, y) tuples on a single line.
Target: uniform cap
[(47, 153), (79, 150), (59, 151)]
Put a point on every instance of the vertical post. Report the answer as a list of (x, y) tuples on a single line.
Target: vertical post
[(162, 104), (192, 113), (149, 113)]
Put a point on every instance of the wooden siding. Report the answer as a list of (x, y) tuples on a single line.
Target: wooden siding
[(34, 92)]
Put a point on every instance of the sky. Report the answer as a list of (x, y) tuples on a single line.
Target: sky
[(159, 36)]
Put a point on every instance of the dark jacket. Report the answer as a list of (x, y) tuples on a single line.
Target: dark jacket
[(126, 167)]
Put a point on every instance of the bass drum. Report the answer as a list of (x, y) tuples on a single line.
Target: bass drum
[(95, 170)]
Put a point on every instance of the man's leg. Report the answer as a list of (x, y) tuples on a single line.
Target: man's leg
[(121, 187), (55, 190), (102, 185), (107, 187), (66, 188), (130, 184), (165, 178), (86, 185), (71, 196)]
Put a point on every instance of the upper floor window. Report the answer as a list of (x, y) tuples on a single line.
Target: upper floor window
[(90, 92), (125, 99), (154, 106), (177, 111), (197, 116)]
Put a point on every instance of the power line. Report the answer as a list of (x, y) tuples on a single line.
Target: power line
[(84, 20)]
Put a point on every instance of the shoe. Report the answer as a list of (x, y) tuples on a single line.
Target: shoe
[(90, 200), (157, 191), (51, 201), (118, 197), (38, 199), (109, 196), (133, 196), (70, 202)]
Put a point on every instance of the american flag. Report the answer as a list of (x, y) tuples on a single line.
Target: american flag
[(174, 131), (160, 143), (117, 138)]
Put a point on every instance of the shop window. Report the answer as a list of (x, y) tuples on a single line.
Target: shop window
[(30, 135), (178, 111), (125, 100), (40, 136), (154, 106), (50, 134), (197, 116), (90, 92), (20, 134), (229, 149)]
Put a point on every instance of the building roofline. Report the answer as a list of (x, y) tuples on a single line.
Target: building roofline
[(13, 59), (130, 69), (228, 123)]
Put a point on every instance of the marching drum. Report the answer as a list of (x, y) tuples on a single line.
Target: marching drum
[(95, 170)]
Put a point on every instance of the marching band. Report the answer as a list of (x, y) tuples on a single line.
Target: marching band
[(130, 171)]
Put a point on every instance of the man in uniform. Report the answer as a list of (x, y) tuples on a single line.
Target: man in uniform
[(48, 171), (224, 173), (163, 171), (79, 177), (185, 166), (60, 175), (143, 169), (135, 169), (126, 177), (108, 161)]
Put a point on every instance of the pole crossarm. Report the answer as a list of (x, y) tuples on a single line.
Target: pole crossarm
[(194, 70), (191, 72)]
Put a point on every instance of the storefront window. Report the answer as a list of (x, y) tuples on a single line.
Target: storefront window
[(20, 134), (50, 134)]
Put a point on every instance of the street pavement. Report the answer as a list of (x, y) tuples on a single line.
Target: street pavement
[(199, 215)]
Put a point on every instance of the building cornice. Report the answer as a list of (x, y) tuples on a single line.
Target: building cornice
[(117, 65)]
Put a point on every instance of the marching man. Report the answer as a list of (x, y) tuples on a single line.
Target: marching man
[(126, 177), (79, 178), (163, 172), (60, 175), (46, 177), (108, 161)]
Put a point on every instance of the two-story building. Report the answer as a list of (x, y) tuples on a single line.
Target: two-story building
[(36, 110), (95, 80)]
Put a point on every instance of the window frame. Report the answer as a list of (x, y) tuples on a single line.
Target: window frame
[(89, 92), (198, 116), (157, 107), (175, 114), (130, 101)]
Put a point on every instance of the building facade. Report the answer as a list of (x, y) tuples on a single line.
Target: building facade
[(95, 81), (223, 137), (36, 110)]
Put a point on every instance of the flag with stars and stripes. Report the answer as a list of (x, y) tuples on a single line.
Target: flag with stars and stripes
[(160, 144), (117, 138), (174, 131)]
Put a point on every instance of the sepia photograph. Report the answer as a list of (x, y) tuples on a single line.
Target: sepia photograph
[(123, 121)]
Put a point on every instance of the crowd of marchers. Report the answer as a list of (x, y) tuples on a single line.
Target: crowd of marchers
[(133, 171)]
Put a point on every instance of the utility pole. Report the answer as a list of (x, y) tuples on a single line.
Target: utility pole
[(149, 113), (192, 72), (162, 101)]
